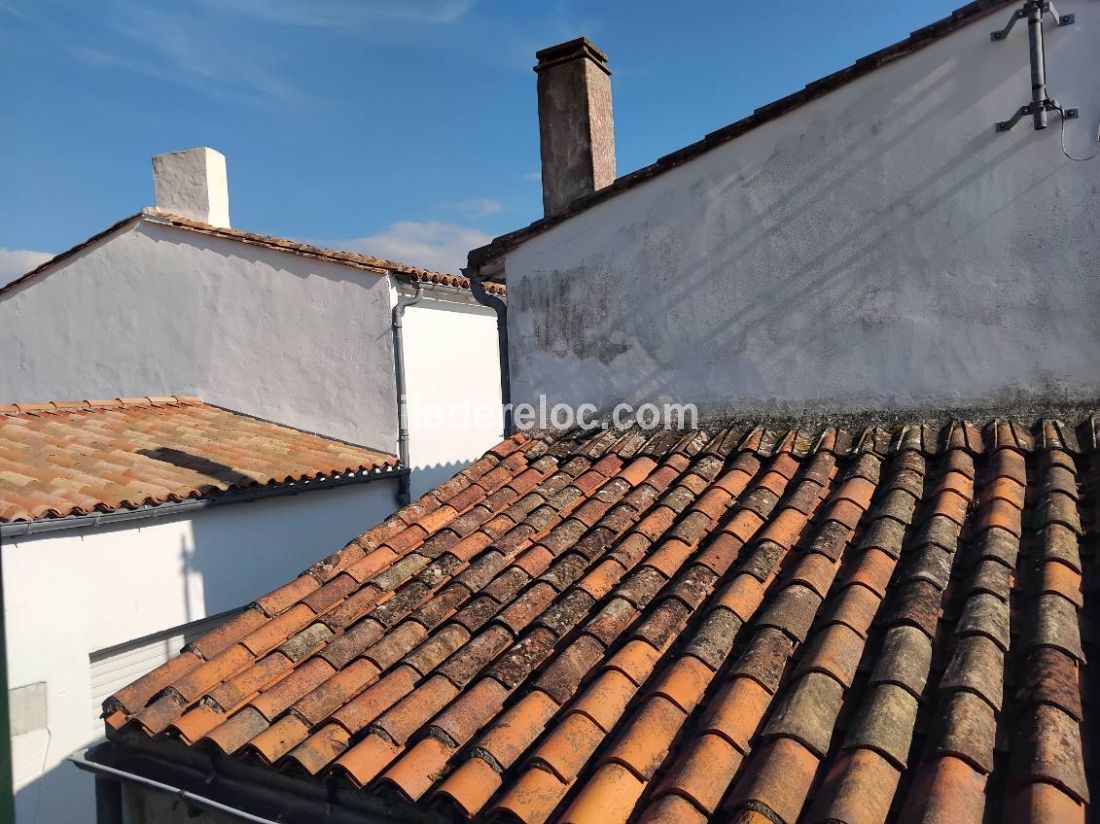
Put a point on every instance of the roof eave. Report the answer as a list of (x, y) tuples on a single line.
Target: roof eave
[(168, 509)]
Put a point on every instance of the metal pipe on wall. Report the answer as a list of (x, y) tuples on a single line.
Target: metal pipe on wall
[(404, 484), (501, 309), (1038, 64)]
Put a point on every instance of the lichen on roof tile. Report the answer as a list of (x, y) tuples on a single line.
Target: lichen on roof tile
[(831, 625)]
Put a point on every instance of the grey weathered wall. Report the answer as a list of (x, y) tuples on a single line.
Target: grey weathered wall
[(879, 247), (161, 311)]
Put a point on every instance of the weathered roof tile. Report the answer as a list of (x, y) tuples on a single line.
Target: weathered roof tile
[(130, 453), (692, 635)]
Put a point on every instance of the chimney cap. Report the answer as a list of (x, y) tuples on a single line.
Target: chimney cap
[(577, 49)]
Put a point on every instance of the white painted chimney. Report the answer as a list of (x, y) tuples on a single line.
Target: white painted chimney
[(193, 183)]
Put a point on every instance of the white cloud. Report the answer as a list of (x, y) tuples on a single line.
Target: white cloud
[(479, 207), (431, 244), (17, 262), (535, 176)]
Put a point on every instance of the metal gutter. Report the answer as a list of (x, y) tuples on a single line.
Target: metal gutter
[(501, 308), (246, 792), (22, 529), (397, 321), (200, 801)]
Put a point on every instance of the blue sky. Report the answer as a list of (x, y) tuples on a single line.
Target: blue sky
[(404, 129)]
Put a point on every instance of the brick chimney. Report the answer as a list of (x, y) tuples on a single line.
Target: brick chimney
[(576, 129), (193, 183)]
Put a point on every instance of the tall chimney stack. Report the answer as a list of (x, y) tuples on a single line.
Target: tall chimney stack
[(576, 129), (193, 183)]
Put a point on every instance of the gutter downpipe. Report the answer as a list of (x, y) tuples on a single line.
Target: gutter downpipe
[(7, 790), (501, 309), (404, 483)]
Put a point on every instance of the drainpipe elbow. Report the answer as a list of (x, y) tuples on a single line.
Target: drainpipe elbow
[(500, 307)]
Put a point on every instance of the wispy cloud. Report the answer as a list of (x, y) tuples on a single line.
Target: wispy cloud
[(479, 207), (182, 44), (17, 262), (344, 13), (535, 176), (189, 49), (430, 244)]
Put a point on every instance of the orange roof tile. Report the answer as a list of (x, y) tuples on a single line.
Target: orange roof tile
[(846, 654), (70, 458)]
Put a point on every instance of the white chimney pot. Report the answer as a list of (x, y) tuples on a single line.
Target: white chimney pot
[(193, 184)]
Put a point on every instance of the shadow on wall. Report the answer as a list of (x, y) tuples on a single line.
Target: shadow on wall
[(62, 783)]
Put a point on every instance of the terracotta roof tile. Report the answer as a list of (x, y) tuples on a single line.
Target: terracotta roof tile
[(850, 626), (76, 458)]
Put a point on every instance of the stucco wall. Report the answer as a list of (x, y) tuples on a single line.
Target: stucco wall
[(77, 592), (880, 247), (162, 311), (453, 387)]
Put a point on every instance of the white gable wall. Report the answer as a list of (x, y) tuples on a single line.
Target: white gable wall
[(882, 246), (161, 311)]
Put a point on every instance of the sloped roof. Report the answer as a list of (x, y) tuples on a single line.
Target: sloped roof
[(74, 458), (483, 256), (382, 266), (806, 625)]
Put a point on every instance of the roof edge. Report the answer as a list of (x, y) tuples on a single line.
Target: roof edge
[(482, 257), (53, 407), (35, 527), (70, 252), (380, 266)]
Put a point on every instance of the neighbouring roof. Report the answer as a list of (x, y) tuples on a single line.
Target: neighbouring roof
[(81, 457), (356, 260), (481, 257), (777, 625)]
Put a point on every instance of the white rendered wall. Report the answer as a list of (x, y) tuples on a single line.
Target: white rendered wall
[(881, 247), (163, 311), (453, 387), (69, 594)]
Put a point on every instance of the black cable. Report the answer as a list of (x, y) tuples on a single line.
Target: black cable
[(1062, 112)]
